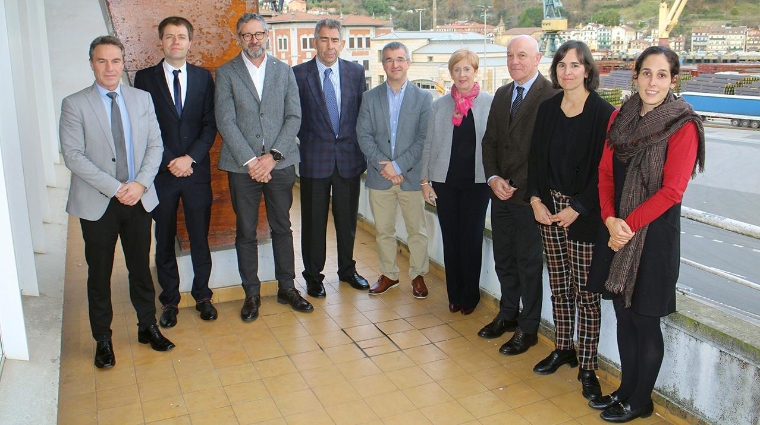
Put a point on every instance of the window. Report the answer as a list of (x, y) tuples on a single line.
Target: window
[(430, 58), (304, 43), (351, 43), (367, 83), (366, 65), (366, 42), (359, 42), (282, 43), (311, 42)]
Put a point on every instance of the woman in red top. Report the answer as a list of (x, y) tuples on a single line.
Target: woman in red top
[(656, 143)]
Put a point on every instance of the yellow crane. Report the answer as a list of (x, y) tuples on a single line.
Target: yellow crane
[(669, 19)]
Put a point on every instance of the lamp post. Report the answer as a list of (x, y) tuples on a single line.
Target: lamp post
[(420, 12), (485, 39)]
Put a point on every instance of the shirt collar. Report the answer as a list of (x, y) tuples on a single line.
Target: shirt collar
[(169, 69), (528, 84), (104, 92), (322, 67)]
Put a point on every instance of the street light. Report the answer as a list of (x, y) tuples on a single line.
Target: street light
[(420, 12), (485, 38)]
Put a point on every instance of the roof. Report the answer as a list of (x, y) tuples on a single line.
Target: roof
[(432, 35), (522, 30), (346, 20), (436, 47)]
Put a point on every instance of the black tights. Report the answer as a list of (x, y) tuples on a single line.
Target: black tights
[(641, 351)]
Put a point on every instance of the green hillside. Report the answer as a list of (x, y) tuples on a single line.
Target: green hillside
[(638, 13)]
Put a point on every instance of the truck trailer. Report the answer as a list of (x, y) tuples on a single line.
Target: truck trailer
[(743, 111)]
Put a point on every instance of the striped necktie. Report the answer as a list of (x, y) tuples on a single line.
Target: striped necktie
[(518, 101), (332, 101)]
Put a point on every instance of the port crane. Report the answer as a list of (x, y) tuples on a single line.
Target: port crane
[(552, 24), (669, 19)]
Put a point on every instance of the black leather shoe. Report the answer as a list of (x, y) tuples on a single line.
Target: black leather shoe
[(604, 402), (293, 297), (519, 343), (356, 281), (169, 316), (454, 307), (622, 412), (153, 336), (315, 289), (590, 383), (497, 328), (556, 359), (208, 311), (104, 357), (250, 310)]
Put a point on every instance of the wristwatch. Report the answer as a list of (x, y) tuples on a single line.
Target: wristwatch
[(276, 155)]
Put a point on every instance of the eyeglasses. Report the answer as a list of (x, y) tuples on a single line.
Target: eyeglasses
[(248, 36), (390, 61)]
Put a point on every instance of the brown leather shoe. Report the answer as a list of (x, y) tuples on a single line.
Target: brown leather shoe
[(419, 290), (382, 285)]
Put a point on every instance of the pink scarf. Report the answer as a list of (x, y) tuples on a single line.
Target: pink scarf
[(463, 103)]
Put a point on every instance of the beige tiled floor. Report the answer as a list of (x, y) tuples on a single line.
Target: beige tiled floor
[(390, 359)]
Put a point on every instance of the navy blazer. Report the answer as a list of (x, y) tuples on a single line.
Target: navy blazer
[(321, 151), (194, 133)]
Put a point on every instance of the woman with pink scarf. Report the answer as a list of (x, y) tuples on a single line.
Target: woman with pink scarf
[(453, 179)]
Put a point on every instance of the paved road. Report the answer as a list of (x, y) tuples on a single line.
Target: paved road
[(725, 251), (729, 187)]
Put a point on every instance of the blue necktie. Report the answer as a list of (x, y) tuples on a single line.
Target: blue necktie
[(332, 101), (177, 93), (518, 101)]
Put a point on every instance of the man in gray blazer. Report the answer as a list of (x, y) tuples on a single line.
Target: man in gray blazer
[(517, 249), (258, 114), (111, 142), (391, 127)]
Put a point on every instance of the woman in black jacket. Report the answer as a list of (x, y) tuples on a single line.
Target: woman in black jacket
[(567, 144)]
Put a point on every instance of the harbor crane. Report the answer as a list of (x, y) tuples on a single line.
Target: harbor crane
[(669, 19)]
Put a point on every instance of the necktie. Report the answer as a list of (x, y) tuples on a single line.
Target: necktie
[(177, 93), (518, 101), (332, 101), (117, 129)]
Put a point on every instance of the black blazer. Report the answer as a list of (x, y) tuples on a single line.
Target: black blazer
[(194, 133), (321, 151), (585, 156)]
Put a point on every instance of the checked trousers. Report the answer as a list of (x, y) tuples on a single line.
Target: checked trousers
[(568, 263)]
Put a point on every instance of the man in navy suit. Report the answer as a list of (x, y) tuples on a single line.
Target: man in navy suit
[(331, 160), (183, 95)]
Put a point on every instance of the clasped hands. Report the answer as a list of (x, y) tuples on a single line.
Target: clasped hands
[(260, 168), (620, 233), (129, 193), (389, 173), (181, 166), (564, 218)]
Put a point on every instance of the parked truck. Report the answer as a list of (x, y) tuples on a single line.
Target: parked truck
[(743, 111)]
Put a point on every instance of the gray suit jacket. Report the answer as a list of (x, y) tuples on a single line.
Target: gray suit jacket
[(373, 128), (247, 121), (437, 150), (89, 152)]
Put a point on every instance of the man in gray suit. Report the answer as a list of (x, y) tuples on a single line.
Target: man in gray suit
[(258, 114), (517, 249), (391, 127), (111, 142)]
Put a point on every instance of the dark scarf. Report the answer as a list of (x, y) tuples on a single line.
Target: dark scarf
[(641, 142)]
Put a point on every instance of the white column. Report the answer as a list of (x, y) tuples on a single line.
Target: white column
[(29, 119), (16, 255)]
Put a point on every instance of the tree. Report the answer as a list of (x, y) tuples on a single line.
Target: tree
[(606, 17), (531, 17), (373, 7)]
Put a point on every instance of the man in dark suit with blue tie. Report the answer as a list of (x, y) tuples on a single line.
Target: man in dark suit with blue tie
[(331, 160), (183, 95)]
